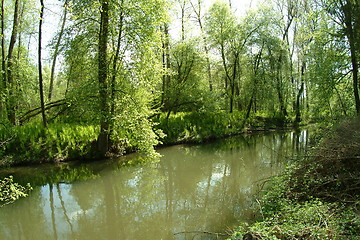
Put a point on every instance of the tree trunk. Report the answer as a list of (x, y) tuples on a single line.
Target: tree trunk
[(228, 79), (3, 56), (249, 106), (11, 106), (279, 88), (115, 63), (254, 91), (56, 53), (232, 83), (350, 33), (199, 19), (3, 84), (103, 139), (166, 63), (40, 66), (298, 96), (183, 5)]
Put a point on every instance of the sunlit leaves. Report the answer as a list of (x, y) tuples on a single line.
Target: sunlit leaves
[(11, 191)]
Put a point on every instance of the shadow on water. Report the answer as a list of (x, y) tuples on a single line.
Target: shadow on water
[(207, 188)]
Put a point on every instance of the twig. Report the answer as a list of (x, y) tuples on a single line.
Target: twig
[(260, 207), (6, 141)]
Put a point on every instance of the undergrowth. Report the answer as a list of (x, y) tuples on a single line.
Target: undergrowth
[(317, 197), (34, 143), (203, 126)]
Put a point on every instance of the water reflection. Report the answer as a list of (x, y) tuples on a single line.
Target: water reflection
[(193, 188)]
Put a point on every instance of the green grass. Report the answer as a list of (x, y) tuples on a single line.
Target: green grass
[(203, 126), (34, 143)]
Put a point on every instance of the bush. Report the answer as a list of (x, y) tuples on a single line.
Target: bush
[(10, 191)]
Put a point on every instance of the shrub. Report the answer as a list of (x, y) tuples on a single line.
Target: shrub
[(11, 191)]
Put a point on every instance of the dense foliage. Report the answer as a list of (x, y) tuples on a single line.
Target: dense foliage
[(34, 143), (204, 126), (128, 75), (10, 191), (118, 74)]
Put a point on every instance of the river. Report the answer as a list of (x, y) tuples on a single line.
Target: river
[(191, 189)]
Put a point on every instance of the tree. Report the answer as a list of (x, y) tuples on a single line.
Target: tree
[(3, 57), (230, 37), (350, 9), (328, 72), (10, 71), (41, 88), (345, 14), (3, 63), (57, 51), (165, 61), (222, 29), (126, 67), (306, 25), (197, 8), (187, 86), (103, 140)]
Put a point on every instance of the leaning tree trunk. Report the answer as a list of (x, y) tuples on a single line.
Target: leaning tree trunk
[(40, 66), (103, 139)]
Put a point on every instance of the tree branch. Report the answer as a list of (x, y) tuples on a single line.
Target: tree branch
[(33, 112), (203, 232)]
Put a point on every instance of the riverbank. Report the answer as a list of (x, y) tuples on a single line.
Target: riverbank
[(59, 142), (33, 144), (317, 197), (199, 127), (206, 187)]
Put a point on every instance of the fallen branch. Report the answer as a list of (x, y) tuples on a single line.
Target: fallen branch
[(204, 232), (33, 112), (7, 140)]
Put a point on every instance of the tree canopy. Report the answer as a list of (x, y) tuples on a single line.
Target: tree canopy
[(118, 65)]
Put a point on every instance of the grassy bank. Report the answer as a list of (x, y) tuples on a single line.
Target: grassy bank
[(203, 126), (32, 143), (317, 197)]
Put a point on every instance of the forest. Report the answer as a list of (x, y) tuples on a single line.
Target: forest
[(95, 79), (125, 75)]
